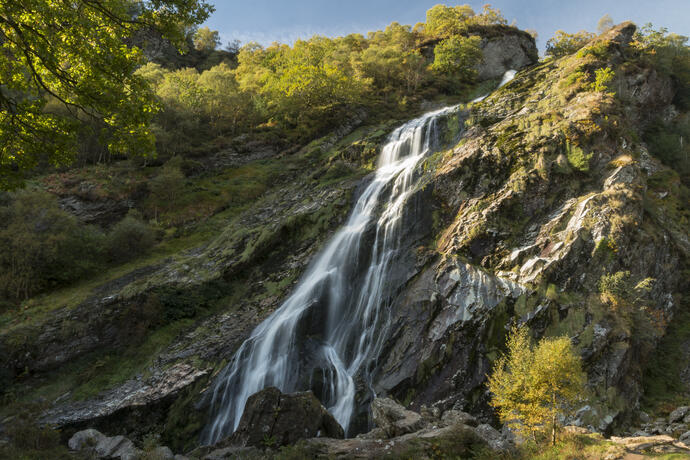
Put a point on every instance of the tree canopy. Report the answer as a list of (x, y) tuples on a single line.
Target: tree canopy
[(533, 386), (564, 43), (61, 62)]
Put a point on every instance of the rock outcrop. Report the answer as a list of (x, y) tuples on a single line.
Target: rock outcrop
[(512, 49), (274, 419), (98, 445), (394, 419)]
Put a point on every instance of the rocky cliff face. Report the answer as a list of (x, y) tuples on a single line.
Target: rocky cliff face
[(543, 200), (548, 196)]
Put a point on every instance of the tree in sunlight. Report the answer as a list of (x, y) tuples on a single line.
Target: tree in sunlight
[(206, 39), (74, 55), (532, 387)]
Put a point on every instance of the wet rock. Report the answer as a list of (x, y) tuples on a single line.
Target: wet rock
[(393, 418), (274, 419)]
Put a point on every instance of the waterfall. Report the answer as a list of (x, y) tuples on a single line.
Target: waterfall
[(332, 327)]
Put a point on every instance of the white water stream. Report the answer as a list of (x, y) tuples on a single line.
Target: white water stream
[(340, 305)]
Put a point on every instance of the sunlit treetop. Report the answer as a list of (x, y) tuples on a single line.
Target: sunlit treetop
[(63, 63)]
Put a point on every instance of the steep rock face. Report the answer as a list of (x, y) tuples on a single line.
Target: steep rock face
[(505, 52), (503, 48), (541, 201)]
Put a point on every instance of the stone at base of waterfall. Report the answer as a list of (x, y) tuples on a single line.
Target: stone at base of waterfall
[(394, 419), (454, 417), (99, 445), (274, 419)]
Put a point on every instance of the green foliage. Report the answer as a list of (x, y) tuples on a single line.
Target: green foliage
[(603, 78), (670, 142), (28, 441), (48, 54), (206, 39), (663, 385), (129, 238), (604, 24), (43, 246), (669, 53), (457, 56), (444, 21), (563, 43), (577, 158), (166, 187), (614, 287), (533, 386)]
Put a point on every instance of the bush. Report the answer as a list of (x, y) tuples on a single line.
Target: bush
[(129, 238), (563, 43), (43, 246), (533, 387), (167, 185), (458, 56), (614, 287)]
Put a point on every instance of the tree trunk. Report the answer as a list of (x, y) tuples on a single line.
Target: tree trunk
[(553, 419)]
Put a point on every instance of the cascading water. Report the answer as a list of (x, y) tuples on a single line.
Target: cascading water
[(333, 326)]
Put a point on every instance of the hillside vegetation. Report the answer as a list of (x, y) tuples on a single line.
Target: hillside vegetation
[(128, 277)]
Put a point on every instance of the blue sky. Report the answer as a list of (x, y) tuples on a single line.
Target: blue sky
[(266, 21)]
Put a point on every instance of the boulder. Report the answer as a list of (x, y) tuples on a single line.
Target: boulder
[(454, 417), (162, 453), (505, 52), (685, 438), (393, 418), (492, 437), (85, 439), (679, 414), (116, 447), (274, 419), (98, 445)]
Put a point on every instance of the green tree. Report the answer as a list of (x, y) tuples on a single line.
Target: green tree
[(167, 186), (444, 21), (74, 53), (563, 43), (532, 386), (206, 40), (42, 246), (604, 24), (129, 238), (458, 55)]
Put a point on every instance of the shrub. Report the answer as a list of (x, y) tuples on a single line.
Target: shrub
[(457, 56), (167, 185), (43, 246), (532, 387), (563, 43), (603, 76), (577, 158), (614, 287), (129, 238)]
